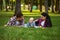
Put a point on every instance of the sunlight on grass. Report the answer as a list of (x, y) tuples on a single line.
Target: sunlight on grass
[(27, 13), (20, 33)]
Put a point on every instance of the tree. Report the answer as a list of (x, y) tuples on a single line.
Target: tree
[(18, 7), (49, 3), (52, 3), (31, 5), (12, 5), (1, 2), (57, 5), (7, 4), (40, 5), (46, 6), (36, 2), (24, 4), (4, 5)]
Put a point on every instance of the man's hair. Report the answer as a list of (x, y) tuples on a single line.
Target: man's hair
[(19, 15)]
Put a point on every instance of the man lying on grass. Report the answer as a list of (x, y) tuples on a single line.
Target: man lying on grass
[(17, 20)]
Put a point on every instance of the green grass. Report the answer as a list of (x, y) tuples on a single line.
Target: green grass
[(17, 33)]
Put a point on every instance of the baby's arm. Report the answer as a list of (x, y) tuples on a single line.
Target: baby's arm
[(36, 20)]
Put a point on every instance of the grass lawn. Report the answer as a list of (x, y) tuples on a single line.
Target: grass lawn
[(17, 33)]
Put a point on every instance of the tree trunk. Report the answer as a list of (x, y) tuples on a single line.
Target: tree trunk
[(52, 3), (12, 5), (6, 8), (31, 5), (24, 4), (1, 7), (46, 6), (40, 5), (1, 2), (57, 5), (36, 2), (4, 5), (18, 7), (7, 4)]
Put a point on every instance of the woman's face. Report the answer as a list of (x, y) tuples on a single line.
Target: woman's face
[(43, 17)]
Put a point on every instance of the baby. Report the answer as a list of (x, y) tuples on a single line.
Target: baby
[(31, 22)]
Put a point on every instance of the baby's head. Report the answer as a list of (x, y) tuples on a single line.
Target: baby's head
[(31, 20)]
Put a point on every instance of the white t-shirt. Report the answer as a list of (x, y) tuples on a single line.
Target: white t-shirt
[(42, 23)]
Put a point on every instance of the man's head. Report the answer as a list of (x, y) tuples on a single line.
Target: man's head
[(19, 16)]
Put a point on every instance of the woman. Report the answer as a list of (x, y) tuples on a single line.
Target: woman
[(44, 21)]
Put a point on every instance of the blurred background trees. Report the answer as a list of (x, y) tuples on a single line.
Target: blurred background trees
[(46, 5)]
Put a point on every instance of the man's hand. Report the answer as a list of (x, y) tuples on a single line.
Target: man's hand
[(36, 20), (5, 25)]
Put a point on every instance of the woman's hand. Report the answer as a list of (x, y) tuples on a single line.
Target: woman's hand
[(41, 27)]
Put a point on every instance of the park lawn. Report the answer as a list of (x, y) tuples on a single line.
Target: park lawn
[(19, 33)]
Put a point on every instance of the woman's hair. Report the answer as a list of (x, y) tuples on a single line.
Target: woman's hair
[(47, 18)]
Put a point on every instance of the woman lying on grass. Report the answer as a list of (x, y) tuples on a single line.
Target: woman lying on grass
[(44, 21), (17, 20)]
